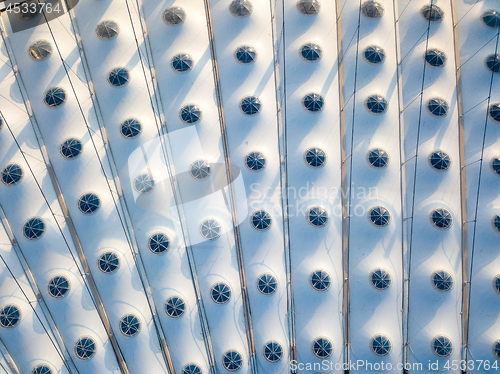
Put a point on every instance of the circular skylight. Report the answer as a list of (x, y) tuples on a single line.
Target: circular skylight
[(442, 281), (315, 157), (40, 50), (377, 104), (496, 222), (159, 243), (10, 315), (85, 348), (495, 112), (191, 369), (174, 16), (320, 280), (12, 174), (311, 52), (220, 293), (322, 348), (175, 306), (380, 345), (182, 62), (232, 360), (493, 63), (317, 216), (432, 13), (190, 114), (34, 228), (255, 161), (440, 160), (118, 77), (273, 351), (250, 105), (210, 229), (435, 58), (41, 369), (308, 7), (495, 165), (496, 284), (379, 216), (71, 148), (378, 158), (442, 346), (130, 325), (441, 218), (380, 279), (245, 54), (89, 203), (261, 220), (372, 9), (438, 107), (491, 18), (374, 54), (144, 183), (200, 169), (108, 262), (55, 97), (107, 30), (240, 8), (267, 284), (496, 349), (130, 128), (313, 102), (58, 286)]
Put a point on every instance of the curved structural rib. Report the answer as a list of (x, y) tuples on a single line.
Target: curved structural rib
[(374, 206), (463, 186), (278, 33), (431, 108), (232, 196), (56, 194)]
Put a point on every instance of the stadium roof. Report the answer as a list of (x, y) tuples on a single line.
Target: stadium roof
[(203, 186)]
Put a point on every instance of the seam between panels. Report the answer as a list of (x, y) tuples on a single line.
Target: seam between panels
[(402, 174), (343, 166), (463, 185), (86, 275), (280, 90), (168, 158), (232, 200), (112, 166), (171, 170)]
